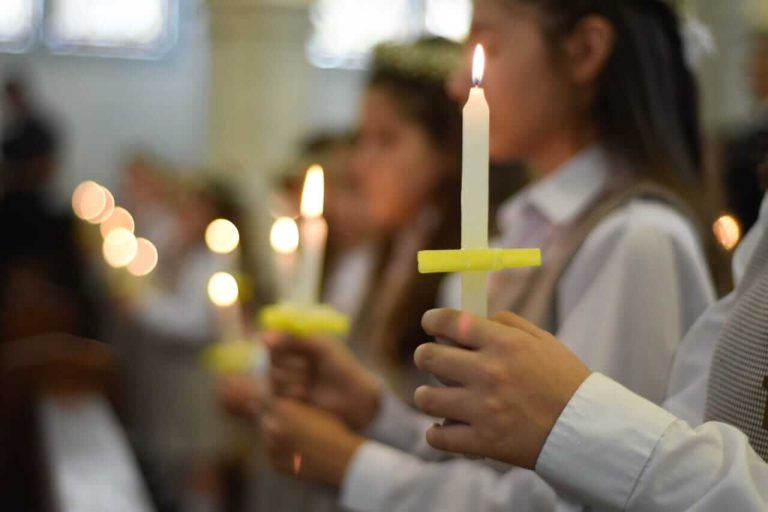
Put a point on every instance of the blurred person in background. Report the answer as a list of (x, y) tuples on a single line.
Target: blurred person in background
[(172, 410), (744, 151), (41, 265)]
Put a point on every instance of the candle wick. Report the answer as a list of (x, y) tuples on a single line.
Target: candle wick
[(476, 82)]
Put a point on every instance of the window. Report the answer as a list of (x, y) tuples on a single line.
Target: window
[(18, 22), (345, 31), (124, 28)]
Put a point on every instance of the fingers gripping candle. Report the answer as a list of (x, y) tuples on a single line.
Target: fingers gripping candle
[(474, 192)]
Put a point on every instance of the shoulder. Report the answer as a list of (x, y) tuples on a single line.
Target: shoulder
[(640, 238), (643, 224)]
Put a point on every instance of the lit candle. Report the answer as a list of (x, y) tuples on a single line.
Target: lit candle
[(224, 294), (284, 238), (313, 236), (474, 191)]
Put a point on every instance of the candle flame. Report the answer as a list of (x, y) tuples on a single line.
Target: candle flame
[(284, 236), (478, 66), (313, 195), (223, 290)]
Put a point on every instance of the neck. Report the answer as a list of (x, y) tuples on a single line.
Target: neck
[(555, 153)]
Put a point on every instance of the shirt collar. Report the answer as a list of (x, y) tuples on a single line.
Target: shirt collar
[(566, 193)]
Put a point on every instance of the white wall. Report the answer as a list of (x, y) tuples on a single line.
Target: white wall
[(109, 107)]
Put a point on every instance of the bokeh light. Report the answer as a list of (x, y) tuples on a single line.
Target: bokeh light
[(120, 247), (284, 236), (109, 208), (727, 232), (146, 258), (222, 236), (222, 289), (89, 200), (120, 218)]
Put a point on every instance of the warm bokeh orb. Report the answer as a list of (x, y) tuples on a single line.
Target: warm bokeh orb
[(222, 236), (108, 210), (89, 200), (120, 247), (146, 258), (222, 289), (284, 236), (727, 232), (120, 218)]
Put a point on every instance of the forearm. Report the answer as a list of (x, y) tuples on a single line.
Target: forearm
[(616, 451), (381, 478)]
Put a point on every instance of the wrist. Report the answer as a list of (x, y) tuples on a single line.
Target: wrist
[(345, 451), (367, 406)]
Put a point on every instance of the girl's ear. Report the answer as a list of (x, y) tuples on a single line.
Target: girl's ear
[(588, 48)]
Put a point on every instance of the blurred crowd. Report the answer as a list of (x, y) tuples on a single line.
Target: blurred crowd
[(184, 372)]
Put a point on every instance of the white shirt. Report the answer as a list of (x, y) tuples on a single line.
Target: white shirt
[(641, 272), (90, 462), (184, 312), (651, 459)]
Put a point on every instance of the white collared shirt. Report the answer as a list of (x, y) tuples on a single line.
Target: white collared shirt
[(641, 273), (650, 458)]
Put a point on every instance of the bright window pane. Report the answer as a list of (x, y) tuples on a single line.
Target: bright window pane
[(345, 31), (130, 28), (17, 24), (449, 18)]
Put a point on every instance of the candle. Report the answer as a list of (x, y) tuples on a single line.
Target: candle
[(313, 236), (474, 191), (284, 239), (225, 293)]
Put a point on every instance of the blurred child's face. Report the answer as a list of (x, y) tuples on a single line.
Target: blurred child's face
[(528, 96), (396, 163)]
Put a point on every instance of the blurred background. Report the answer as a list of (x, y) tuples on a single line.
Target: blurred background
[(176, 113)]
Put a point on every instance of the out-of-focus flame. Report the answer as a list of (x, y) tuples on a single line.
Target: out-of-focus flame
[(284, 236), (223, 290), (313, 194), (727, 231), (222, 236), (109, 208), (120, 218), (120, 247), (146, 258), (89, 200)]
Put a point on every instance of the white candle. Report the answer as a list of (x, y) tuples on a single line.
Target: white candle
[(313, 236), (225, 293), (284, 238), (474, 192)]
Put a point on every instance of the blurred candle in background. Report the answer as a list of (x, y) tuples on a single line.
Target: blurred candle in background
[(284, 238), (313, 236)]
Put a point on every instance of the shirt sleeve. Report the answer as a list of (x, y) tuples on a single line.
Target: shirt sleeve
[(398, 425), (381, 478), (648, 460)]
